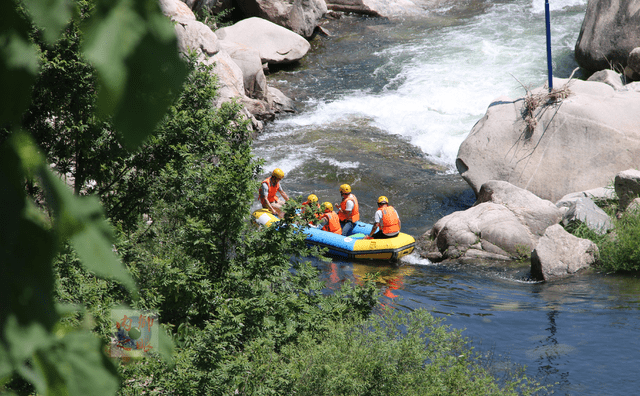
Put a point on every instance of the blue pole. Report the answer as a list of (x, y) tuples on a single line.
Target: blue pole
[(549, 66)]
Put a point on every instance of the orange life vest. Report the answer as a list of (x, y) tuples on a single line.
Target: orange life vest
[(272, 189), (333, 224), (390, 220), (355, 213)]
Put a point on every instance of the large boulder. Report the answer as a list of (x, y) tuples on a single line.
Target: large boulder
[(627, 185), (175, 8), (238, 67), (632, 70), (610, 30), (249, 61), (300, 16), (276, 44), (504, 223), (195, 36), (559, 254), (585, 211), (573, 144)]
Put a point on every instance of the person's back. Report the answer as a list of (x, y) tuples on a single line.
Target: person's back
[(386, 221)]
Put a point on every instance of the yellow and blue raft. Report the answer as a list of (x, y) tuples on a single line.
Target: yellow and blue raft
[(352, 246)]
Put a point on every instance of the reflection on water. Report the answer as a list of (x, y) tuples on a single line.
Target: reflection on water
[(579, 333)]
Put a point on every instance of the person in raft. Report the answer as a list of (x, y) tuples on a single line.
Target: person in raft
[(329, 220), (386, 221), (349, 211), (310, 203), (268, 190)]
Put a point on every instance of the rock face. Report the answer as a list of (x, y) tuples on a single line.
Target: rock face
[(300, 16), (504, 223), (627, 185), (610, 30), (237, 66), (584, 210), (577, 144), (632, 70), (276, 44), (559, 254)]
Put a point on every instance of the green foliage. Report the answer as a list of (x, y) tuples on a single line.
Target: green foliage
[(392, 353), (143, 73), (620, 251)]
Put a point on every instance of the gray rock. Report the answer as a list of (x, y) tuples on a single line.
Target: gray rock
[(559, 254), (195, 36), (504, 223), (276, 44), (280, 102), (578, 144), (587, 212), (632, 70), (610, 30), (534, 213), (627, 185), (631, 87), (300, 16), (176, 8), (608, 77), (248, 59)]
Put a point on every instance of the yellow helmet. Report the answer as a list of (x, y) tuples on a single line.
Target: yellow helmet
[(279, 173), (327, 206), (345, 188), (312, 198), (383, 199)]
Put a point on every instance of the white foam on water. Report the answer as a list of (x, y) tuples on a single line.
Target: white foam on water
[(537, 6), (449, 78), (415, 259)]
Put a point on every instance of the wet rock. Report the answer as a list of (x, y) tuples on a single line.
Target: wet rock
[(505, 223), (559, 254)]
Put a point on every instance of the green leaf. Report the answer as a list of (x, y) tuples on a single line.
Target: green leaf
[(78, 366), (133, 48), (18, 63), (81, 220), (50, 15)]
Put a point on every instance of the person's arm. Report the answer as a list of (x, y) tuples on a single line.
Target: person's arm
[(323, 222), (373, 230), (284, 195)]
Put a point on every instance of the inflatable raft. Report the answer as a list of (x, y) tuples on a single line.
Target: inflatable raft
[(352, 246)]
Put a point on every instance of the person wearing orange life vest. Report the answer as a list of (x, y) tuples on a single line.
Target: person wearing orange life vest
[(329, 220), (268, 190), (386, 221), (311, 202), (349, 211)]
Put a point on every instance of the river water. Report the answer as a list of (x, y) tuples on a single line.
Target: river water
[(383, 106)]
